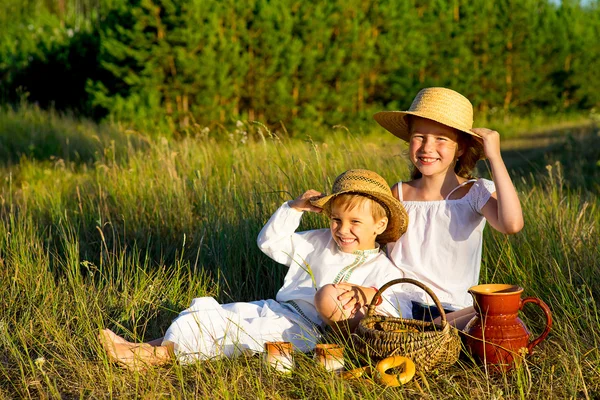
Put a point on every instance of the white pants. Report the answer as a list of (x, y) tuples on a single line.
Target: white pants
[(208, 329)]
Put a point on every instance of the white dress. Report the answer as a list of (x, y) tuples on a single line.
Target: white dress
[(208, 329), (442, 245)]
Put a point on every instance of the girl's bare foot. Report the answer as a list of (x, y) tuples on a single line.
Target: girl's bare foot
[(133, 356)]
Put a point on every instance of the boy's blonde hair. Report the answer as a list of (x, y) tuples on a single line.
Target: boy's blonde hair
[(350, 201), (369, 185)]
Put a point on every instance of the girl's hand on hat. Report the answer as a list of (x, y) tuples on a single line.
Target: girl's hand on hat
[(302, 203), (491, 142)]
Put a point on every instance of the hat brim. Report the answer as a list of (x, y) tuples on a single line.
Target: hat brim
[(397, 216), (395, 122)]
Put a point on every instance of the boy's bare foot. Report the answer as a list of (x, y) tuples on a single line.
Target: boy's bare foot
[(113, 336), (133, 356)]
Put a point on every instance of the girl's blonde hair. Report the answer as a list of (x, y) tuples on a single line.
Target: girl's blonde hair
[(349, 201), (472, 152)]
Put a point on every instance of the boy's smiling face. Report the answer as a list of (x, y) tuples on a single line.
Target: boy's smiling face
[(354, 227)]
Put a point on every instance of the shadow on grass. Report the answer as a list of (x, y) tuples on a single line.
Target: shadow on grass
[(227, 254), (577, 150)]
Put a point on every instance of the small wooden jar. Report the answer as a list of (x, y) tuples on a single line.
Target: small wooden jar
[(330, 356), (279, 356)]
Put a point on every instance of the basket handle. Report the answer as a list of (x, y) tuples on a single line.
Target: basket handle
[(371, 309)]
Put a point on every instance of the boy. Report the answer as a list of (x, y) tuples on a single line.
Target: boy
[(333, 275)]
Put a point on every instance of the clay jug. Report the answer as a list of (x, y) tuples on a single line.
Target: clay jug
[(496, 335)]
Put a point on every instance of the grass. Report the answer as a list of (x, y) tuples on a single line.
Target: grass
[(107, 229)]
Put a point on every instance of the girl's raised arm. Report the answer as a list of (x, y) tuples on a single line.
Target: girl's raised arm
[(503, 209)]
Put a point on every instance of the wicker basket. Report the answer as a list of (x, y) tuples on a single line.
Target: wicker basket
[(429, 345)]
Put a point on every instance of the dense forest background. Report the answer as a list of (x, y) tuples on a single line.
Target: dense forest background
[(176, 64)]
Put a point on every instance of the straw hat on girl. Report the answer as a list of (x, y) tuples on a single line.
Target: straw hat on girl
[(372, 185), (438, 104)]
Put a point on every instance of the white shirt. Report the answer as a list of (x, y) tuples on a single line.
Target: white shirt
[(316, 252), (442, 245)]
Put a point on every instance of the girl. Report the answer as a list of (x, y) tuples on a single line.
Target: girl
[(447, 208), (333, 274)]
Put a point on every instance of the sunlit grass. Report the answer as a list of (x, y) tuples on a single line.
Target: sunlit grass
[(127, 241)]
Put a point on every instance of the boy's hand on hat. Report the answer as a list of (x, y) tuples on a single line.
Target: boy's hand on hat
[(302, 203), (491, 142)]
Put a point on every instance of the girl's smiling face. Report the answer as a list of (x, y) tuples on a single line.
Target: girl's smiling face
[(433, 147), (355, 227)]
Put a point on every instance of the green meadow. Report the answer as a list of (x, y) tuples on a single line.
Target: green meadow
[(101, 226)]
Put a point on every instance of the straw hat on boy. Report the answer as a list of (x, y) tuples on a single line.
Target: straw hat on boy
[(437, 104), (373, 186)]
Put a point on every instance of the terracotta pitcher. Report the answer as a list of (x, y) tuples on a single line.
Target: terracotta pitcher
[(496, 335)]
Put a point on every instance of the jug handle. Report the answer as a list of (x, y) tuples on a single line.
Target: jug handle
[(548, 315)]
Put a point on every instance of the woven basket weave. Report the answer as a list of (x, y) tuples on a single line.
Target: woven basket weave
[(428, 345)]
